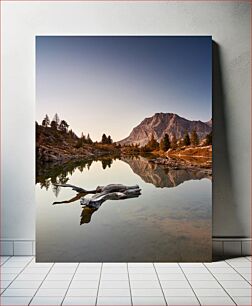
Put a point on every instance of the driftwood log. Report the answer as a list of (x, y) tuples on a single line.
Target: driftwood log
[(103, 193), (100, 195)]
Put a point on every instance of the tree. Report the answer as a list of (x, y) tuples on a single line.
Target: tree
[(109, 140), (63, 126), (54, 125), (194, 138), (186, 139), (165, 143), (209, 139), (89, 140), (46, 121), (152, 144), (56, 119), (174, 142), (104, 139)]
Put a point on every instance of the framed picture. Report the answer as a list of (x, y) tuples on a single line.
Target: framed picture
[(124, 148)]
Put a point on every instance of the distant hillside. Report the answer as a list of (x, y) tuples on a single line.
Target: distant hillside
[(162, 123)]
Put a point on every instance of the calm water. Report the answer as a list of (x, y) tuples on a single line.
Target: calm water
[(170, 221)]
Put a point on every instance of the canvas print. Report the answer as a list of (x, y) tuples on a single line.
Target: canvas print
[(123, 148)]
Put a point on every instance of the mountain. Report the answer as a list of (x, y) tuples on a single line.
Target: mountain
[(162, 123)]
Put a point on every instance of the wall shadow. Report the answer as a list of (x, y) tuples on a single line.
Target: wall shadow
[(225, 214)]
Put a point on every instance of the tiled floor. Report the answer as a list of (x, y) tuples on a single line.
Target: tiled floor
[(24, 282)]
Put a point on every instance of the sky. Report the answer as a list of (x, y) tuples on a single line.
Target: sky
[(109, 84)]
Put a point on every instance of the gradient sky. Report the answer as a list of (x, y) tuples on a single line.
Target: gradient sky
[(109, 84)]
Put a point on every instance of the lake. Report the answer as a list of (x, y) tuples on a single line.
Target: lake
[(170, 221)]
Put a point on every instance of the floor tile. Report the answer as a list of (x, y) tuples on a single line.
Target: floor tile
[(95, 264), (19, 292), (47, 300), (82, 292), (166, 284), (243, 300), (60, 270), (247, 277), (89, 270), (140, 276), (30, 270), (243, 270), (102, 300), (148, 300), (118, 277), (14, 264), (239, 291), (166, 264), (178, 292), (7, 276), (3, 259), (51, 292), (114, 284), (195, 270), (191, 264), (172, 276), (21, 258), (146, 292), (142, 270), (66, 264), (237, 259), (87, 276), (119, 270), (114, 292), (9, 270), (84, 284), (80, 300), (140, 264), (221, 300), (240, 264), (14, 300), (217, 264), (180, 300), (220, 270), (59, 277), (235, 284), (200, 276), (169, 270), (205, 284), (25, 284), (152, 284), (5, 283), (229, 276), (209, 292), (55, 284), (30, 276)]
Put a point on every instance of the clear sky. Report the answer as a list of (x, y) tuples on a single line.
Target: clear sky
[(109, 84)]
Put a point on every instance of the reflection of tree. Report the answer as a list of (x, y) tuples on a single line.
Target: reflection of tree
[(106, 163), (56, 190), (55, 173)]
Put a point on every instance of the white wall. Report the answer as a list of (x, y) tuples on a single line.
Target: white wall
[(228, 23)]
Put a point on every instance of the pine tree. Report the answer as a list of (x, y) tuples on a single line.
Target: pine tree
[(194, 138), (104, 139), (165, 143), (89, 140), (46, 121), (152, 144), (109, 140), (56, 119), (174, 141), (209, 139), (186, 139), (63, 126)]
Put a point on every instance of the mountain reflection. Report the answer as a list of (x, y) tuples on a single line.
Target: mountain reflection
[(163, 176)]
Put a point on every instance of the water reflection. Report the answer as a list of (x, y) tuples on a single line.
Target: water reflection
[(163, 176)]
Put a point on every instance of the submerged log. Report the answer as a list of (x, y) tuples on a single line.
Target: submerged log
[(76, 188)]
